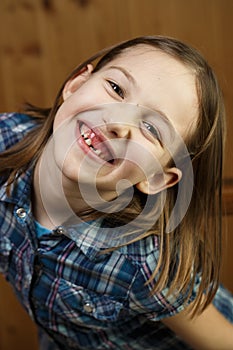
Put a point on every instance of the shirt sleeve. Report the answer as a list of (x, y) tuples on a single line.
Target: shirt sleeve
[(13, 127)]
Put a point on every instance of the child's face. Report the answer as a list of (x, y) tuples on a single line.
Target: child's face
[(102, 118)]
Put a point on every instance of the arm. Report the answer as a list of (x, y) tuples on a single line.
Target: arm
[(207, 331)]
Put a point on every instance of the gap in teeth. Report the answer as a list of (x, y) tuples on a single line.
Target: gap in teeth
[(88, 142)]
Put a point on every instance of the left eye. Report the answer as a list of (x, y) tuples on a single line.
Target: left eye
[(117, 89), (152, 130)]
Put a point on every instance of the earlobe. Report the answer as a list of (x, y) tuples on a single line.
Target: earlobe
[(160, 182), (74, 83)]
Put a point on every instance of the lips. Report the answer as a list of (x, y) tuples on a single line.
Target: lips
[(96, 143)]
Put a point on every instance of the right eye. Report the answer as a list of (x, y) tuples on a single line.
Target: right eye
[(117, 89), (152, 130)]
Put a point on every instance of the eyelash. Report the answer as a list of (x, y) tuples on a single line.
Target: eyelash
[(117, 89), (152, 130)]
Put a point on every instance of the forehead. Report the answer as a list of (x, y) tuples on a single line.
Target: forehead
[(157, 59), (162, 82)]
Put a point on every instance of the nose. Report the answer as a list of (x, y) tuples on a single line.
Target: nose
[(121, 119), (119, 130)]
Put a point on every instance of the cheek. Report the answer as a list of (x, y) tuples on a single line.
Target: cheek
[(76, 103), (72, 105), (63, 113), (145, 159)]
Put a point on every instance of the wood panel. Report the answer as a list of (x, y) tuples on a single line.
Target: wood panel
[(17, 331), (227, 194), (227, 261), (42, 40)]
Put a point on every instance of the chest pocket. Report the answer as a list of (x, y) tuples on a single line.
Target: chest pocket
[(88, 308)]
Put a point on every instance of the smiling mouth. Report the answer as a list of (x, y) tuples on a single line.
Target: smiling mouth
[(96, 144)]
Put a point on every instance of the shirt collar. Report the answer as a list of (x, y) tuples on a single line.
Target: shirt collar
[(94, 237)]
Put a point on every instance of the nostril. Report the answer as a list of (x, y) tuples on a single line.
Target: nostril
[(118, 130), (114, 133)]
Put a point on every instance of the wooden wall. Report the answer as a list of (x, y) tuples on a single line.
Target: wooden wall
[(42, 40)]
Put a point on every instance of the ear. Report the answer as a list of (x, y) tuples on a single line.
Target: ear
[(75, 82), (160, 182)]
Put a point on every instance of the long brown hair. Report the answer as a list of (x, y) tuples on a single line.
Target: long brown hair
[(195, 244)]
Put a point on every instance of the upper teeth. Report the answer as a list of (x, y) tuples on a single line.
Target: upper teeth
[(89, 143)]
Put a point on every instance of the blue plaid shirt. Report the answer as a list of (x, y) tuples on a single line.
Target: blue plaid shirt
[(80, 298)]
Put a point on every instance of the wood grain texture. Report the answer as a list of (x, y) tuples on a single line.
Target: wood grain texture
[(17, 330), (228, 196)]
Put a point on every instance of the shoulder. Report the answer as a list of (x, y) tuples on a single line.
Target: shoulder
[(161, 304), (13, 127), (143, 252)]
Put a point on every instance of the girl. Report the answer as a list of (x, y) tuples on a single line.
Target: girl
[(110, 204)]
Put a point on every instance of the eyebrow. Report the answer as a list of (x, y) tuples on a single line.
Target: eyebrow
[(125, 72)]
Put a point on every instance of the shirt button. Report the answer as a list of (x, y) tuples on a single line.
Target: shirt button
[(60, 230), (88, 307), (21, 213)]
